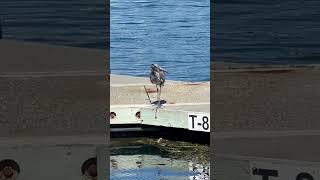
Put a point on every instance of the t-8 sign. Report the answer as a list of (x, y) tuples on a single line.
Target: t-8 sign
[(199, 121), (283, 171)]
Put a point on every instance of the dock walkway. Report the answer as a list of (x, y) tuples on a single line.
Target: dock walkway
[(52, 106), (129, 101), (271, 121)]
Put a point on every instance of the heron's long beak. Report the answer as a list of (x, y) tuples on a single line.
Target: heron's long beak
[(163, 70)]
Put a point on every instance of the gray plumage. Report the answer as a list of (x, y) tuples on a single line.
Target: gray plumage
[(158, 77)]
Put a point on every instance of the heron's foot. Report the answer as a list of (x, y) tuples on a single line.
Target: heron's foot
[(156, 107), (160, 106)]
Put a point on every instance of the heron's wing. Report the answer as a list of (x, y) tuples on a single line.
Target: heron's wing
[(158, 77), (162, 77), (155, 77)]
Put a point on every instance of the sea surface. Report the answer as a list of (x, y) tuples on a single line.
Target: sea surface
[(173, 34), (79, 23), (267, 32), (153, 160)]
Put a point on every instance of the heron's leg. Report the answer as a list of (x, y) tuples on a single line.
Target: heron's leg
[(155, 114), (159, 103), (158, 94), (156, 108)]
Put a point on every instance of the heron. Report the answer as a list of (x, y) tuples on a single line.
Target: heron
[(158, 77)]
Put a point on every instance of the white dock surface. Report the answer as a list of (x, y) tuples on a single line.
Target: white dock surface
[(128, 96), (266, 117), (52, 109)]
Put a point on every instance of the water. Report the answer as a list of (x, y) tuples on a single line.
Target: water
[(145, 161), (174, 34), (152, 167), (277, 32), (79, 23)]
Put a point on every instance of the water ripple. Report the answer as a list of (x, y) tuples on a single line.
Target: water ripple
[(174, 34)]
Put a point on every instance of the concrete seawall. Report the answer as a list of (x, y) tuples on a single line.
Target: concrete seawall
[(51, 90), (266, 98), (53, 102), (128, 90), (131, 107), (265, 114), (52, 106)]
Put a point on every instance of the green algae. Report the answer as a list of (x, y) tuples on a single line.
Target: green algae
[(174, 149)]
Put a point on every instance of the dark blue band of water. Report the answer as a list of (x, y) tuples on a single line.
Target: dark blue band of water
[(174, 34), (268, 32), (79, 23)]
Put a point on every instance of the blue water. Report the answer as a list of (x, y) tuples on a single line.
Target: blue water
[(174, 34), (148, 163), (277, 31), (153, 173), (79, 23)]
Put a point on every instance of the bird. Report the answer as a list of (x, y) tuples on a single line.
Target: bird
[(158, 77)]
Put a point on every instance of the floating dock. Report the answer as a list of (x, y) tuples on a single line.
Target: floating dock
[(53, 102), (185, 108), (266, 122)]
